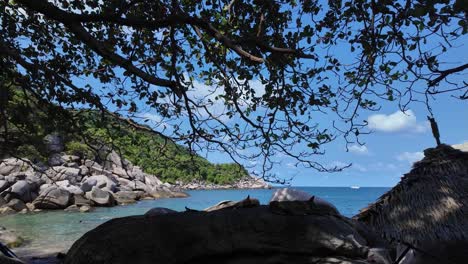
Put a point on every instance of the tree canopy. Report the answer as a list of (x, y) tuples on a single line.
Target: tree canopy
[(250, 78)]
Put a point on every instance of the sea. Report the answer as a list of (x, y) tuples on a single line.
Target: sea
[(55, 231)]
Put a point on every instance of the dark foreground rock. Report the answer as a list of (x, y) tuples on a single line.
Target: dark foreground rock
[(244, 235)]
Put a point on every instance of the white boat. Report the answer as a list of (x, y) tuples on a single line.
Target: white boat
[(355, 187)]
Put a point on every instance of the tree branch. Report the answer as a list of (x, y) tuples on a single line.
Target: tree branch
[(444, 74)]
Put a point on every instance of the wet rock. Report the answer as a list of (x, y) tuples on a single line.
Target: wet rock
[(72, 208), (2, 201), (100, 197), (6, 210), (163, 192), (53, 198), (80, 200), (86, 209), (10, 238), (126, 197), (30, 206), (16, 204)]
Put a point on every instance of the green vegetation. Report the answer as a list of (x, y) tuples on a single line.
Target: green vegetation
[(89, 134), (151, 152)]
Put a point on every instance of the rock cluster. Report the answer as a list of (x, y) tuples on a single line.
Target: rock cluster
[(68, 181), (248, 182)]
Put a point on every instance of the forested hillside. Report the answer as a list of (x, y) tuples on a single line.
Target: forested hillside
[(90, 134)]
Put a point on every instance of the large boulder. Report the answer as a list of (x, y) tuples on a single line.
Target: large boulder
[(4, 185), (125, 185), (69, 187), (138, 174), (22, 190), (140, 186), (53, 198), (12, 165), (88, 184), (101, 181), (113, 159), (80, 200), (16, 204), (246, 235), (152, 181), (121, 172), (100, 197), (61, 173), (126, 197)]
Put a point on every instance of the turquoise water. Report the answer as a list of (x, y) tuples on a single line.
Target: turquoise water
[(57, 230)]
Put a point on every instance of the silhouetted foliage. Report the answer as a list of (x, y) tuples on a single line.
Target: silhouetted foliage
[(252, 79)]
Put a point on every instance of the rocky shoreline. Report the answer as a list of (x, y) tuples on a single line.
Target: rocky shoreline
[(74, 184), (70, 183)]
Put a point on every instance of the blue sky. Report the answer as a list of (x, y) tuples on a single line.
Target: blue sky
[(398, 138), (397, 141)]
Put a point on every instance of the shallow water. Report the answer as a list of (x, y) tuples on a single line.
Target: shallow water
[(56, 231)]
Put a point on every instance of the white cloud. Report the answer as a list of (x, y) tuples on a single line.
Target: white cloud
[(210, 95), (397, 122), (359, 167), (151, 117), (410, 157), (358, 149), (379, 166), (337, 164)]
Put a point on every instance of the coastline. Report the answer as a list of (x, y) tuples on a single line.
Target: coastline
[(42, 230)]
